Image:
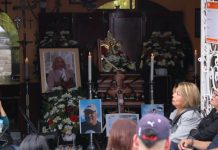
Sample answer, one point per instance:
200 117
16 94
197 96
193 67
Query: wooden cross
23 6
17 21
23 44
6 3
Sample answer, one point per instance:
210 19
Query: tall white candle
89 67
152 68
26 68
195 63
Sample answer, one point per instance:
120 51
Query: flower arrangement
168 52
113 57
57 39
62 111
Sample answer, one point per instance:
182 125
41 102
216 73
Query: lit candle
89 67
195 62
26 69
152 68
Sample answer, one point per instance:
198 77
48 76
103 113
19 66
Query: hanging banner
212 22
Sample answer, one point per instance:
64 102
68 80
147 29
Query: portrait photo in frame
59 67
90 112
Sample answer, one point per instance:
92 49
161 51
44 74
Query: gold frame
46 60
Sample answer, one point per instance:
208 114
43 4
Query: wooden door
128 27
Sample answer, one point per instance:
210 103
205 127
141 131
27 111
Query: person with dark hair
153 131
34 142
60 75
121 135
91 123
208 127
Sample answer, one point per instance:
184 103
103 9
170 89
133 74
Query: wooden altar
132 89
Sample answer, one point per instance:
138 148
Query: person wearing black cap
153 132
91 123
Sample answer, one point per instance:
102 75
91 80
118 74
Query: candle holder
91 146
90 89
27 103
151 92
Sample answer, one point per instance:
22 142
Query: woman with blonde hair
186 116
121 135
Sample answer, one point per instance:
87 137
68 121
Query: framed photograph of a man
59 67
90 116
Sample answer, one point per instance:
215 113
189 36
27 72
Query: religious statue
119 89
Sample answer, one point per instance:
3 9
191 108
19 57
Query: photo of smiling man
90 116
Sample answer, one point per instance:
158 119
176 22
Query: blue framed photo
90 113
148 108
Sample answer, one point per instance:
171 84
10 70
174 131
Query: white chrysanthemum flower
46 115
60 126
66 95
52 98
61 106
52 111
171 63
58 88
156 45
44 130
56 119
67 120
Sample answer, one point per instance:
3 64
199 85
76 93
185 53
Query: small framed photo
75 1
59 67
150 108
90 113
111 118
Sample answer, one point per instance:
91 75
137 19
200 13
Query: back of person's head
153 132
190 92
121 135
34 142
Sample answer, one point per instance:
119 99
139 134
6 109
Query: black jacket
87 127
208 127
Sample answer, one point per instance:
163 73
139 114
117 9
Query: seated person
196 144
186 99
208 127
